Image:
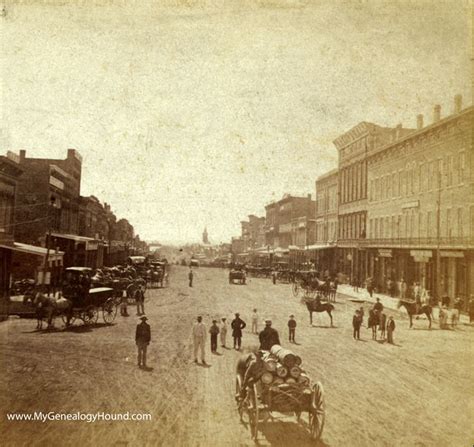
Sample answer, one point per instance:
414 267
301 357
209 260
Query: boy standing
223 332
292 328
356 324
254 322
214 331
390 330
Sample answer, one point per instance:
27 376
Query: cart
261 400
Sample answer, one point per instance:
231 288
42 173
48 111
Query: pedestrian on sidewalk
390 330
362 313
471 309
199 339
292 328
370 286
254 322
190 277
274 277
140 300
214 331
355 284
403 289
456 313
223 329
142 340
356 324
237 325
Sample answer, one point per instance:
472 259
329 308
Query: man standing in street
199 339
190 277
292 328
237 325
390 330
142 340
140 299
254 322
268 337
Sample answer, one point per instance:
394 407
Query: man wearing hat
237 325
142 340
268 337
292 328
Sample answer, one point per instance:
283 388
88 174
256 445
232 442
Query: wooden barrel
290 380
285 356
303 379
278 381
282 371
267 378
295 372
299 361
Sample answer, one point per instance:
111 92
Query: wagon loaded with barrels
284 387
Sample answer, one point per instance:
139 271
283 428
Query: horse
412 309
373 322
316 306
50 306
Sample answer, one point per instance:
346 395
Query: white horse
50 307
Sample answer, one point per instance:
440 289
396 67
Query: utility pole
48 241
438 236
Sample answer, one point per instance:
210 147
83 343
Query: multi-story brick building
326 220
10 172
421 208
290 220
354 147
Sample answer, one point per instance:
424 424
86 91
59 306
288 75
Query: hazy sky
193 113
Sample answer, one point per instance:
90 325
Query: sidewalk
386 300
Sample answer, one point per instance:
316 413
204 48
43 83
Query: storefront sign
385 252
421 259
451 254
421 253
92 245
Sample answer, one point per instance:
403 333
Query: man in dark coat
237 325
268 337
190 277
356 324
142 340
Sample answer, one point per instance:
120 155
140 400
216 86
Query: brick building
326 220
290 222
421 208
354 147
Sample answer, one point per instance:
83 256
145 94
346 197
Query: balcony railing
458 242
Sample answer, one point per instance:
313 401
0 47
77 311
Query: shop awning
91 243
35 250
319 247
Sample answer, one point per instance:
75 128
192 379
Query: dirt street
416 393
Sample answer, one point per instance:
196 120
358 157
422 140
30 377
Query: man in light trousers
199 339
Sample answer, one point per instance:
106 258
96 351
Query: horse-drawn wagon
307 282
284 387
237 276
85 302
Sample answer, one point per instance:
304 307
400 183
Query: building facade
421 208
353 149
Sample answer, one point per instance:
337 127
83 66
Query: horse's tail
331 307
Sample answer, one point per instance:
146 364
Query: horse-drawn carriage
237 276
156 275
282 388
85 302
307 282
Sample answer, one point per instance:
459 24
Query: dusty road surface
416 393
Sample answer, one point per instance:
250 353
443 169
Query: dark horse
412 309
317 306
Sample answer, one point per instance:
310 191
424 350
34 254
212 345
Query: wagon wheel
90 315
295 289
109 311
317 412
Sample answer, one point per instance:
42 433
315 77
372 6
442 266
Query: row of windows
327 200
6 212
420 177
353 182
326 232
352 226
416 224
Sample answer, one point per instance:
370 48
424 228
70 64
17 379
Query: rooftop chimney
419 121
22 154
436 113
457 104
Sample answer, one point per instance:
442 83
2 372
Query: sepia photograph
236 223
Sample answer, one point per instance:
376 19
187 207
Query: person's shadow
146 368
